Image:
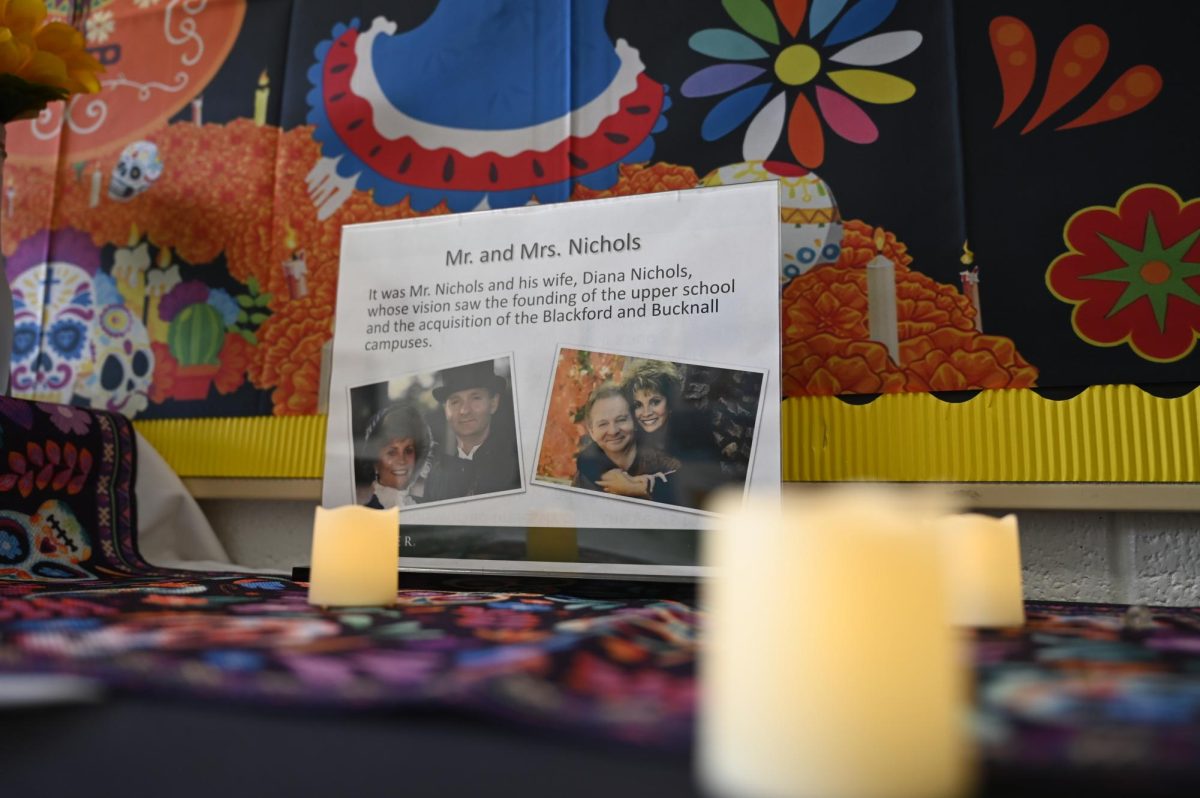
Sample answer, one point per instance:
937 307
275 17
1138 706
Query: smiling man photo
481 455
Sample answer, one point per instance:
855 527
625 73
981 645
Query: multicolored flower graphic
1133 273
795 67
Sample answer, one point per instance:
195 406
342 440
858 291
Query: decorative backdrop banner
975 195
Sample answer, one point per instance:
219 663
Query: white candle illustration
129 270
198 111
970 284
94 193
881 301
159 282
260 99
296 269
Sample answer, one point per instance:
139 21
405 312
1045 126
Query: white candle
355 557
983 568
881 305
829 667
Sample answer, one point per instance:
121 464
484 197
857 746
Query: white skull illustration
46 360
122 361
50 544
138 167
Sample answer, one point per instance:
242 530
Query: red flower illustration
54 465
1133 273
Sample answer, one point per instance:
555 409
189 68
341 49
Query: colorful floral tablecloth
621 668
1079 686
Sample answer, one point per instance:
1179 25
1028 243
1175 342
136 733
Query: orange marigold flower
826 315
858 246
643 179
919 316
826 365
955 360
235 357
165 368
912 285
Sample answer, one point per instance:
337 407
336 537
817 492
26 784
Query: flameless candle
355 557
829 667
983 567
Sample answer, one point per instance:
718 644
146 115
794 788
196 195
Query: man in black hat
483 456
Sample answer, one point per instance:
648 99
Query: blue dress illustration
488 103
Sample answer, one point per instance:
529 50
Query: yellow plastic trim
1109 433
252 446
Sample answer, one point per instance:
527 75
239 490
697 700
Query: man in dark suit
482 457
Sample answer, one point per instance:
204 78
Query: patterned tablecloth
1085 685
1079 687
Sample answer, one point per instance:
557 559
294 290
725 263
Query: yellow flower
14 53
22 16
80 69
40 61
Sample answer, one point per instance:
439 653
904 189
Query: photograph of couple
641 429
437 436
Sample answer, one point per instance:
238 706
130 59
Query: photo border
512 388
764 373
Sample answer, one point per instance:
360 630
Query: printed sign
605 365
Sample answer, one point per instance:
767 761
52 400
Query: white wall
1136 558
1147 558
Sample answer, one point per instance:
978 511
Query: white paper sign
609 363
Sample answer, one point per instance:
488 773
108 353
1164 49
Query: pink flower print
68 419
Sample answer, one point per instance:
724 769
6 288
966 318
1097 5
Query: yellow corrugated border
1108 433
253 446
